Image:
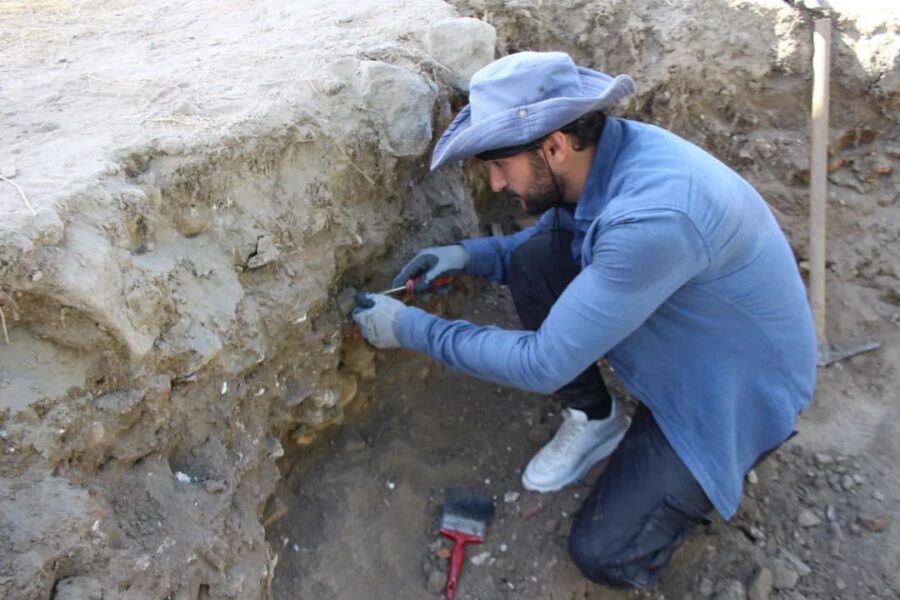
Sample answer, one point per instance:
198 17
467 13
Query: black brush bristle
468 505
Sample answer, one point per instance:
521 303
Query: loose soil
365 502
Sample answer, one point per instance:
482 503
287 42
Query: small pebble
808 518
436 582
752 477
510 497
873 519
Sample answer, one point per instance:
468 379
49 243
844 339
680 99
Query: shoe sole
590 459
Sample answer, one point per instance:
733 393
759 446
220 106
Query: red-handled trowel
465 519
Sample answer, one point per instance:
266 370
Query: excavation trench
186 410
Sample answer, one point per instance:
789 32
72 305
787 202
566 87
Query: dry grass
3 323
21 193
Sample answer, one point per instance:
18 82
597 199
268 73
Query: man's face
525 177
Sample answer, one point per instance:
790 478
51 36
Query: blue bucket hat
522 97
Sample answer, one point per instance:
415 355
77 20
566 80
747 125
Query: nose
498 181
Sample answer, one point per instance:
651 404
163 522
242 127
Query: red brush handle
417 286
457 556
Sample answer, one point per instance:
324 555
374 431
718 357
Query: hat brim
523 124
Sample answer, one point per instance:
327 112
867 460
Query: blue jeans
646 501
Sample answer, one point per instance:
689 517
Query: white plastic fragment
182 477
224 387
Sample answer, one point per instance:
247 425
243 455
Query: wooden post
818 174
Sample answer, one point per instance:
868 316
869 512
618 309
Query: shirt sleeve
636 265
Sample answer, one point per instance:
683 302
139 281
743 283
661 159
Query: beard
543 193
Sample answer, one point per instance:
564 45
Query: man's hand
377 315
432 263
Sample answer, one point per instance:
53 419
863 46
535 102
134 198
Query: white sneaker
578 445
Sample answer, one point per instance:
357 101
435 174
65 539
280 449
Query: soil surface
364 503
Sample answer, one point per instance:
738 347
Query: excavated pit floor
364 503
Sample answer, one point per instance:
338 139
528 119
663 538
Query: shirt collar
593 196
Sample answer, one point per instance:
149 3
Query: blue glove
434 262
377 316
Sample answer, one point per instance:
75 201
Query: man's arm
635 266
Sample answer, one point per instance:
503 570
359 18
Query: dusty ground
366 501
187 189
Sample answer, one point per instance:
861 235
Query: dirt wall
189 188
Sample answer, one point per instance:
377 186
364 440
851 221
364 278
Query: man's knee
599 567
634 555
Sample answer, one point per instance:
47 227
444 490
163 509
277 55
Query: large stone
401 103
784 577
730 590
761 586
462 46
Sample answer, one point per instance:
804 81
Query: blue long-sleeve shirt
687 286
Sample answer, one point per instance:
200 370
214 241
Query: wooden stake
818 173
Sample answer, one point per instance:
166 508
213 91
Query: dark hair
586 129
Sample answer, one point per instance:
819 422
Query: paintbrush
465 519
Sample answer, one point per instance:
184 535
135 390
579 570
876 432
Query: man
650 252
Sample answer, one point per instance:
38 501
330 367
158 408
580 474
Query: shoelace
567 433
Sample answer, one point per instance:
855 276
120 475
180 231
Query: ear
557 147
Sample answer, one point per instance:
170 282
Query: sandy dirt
190 190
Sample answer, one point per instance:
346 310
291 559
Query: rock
784 577
345 301
9 171
752 477
802 568
873 518
530 508
551 525
510 497
266 252
276 509
480 558
754 533
540 434
830 513
401 101
462 46
437 581
706 587
822 459
877 495
354 443
215 486
761 586
847 483
731 590
808 518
